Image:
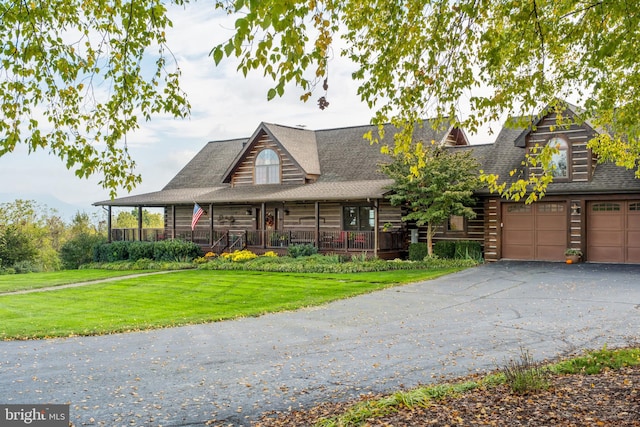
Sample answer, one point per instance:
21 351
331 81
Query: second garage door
613 233
534 232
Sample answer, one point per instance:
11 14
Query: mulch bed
611 398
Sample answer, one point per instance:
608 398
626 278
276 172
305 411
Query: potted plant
572 255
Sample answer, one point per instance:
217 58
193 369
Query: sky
224 104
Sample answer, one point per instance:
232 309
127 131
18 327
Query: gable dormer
574 162
455 137
276 155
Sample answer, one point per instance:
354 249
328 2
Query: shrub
79 250
329 264
435 262
468 249
445 249
111 252
141 264
417 251
175 250
334 258
524 375
361 257
140 250
26 266
15 245
240 256
296 251
165 250
100 252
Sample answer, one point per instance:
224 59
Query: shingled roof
346 165
504 155
347 168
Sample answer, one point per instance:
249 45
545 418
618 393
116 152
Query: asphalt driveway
233 371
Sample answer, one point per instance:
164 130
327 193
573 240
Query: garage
534 232
613 231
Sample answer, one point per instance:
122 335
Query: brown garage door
613 232
534 232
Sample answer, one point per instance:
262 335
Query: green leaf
217 55
228 48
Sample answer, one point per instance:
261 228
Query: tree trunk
429 239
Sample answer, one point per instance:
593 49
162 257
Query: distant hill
65 210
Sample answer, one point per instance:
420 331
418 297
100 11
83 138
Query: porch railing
229 240
131 234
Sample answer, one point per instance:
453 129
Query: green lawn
16 282
182 297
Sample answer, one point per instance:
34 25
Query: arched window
267 167
560 160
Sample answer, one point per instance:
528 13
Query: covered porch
368 226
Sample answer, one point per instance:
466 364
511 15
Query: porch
383 244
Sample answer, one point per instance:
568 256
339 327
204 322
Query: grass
525 375
17 282
180 298
592 362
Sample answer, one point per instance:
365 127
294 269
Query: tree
129 219
432 194
427 58
35 227
79 249
81 224
74 80
15 246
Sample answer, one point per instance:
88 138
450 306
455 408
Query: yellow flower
240 256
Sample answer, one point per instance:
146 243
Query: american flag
197 213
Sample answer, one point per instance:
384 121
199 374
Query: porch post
376 241
139 223
317 214
210 224
262 226
109 223
173 222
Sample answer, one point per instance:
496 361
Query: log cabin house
285 185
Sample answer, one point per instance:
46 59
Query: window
551 207
518 208
267 169
605 207
455 223
360 218
560 160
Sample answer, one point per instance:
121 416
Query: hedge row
330 264
448 249
458 249
166 250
